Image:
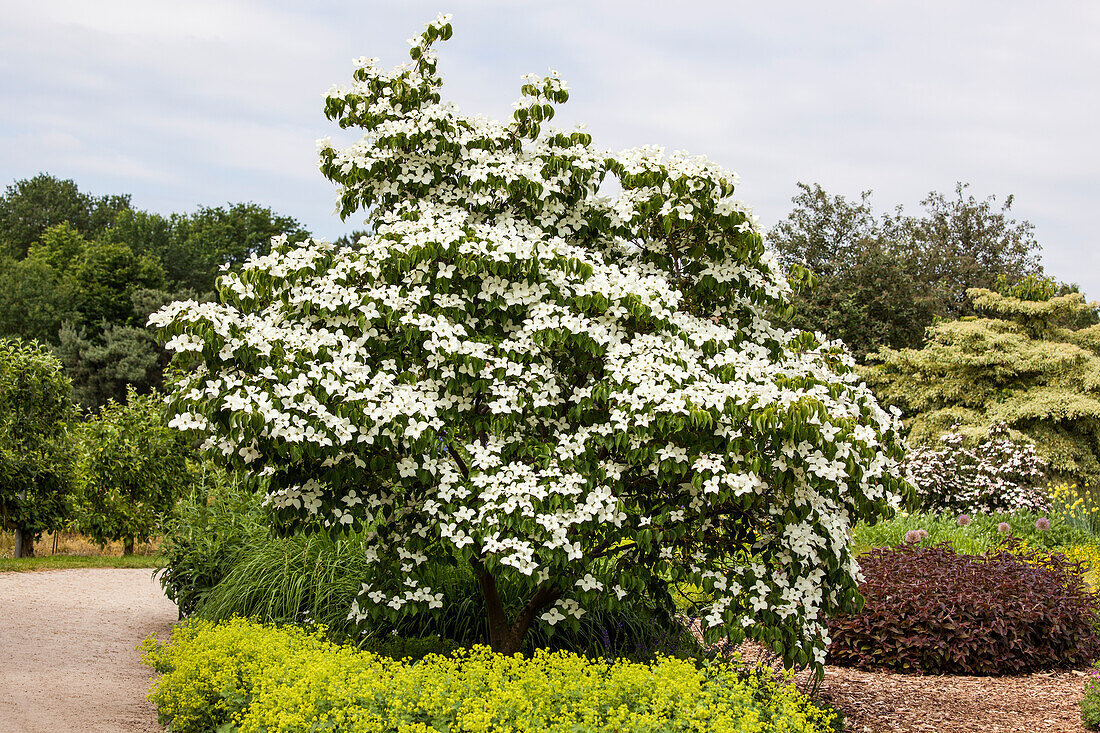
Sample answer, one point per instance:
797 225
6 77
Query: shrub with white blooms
577 394
996 472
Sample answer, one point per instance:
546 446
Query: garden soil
68 656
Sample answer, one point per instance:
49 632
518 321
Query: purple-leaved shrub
931 609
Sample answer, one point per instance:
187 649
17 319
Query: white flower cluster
572 392
997 473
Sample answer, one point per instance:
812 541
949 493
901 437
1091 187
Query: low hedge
251 677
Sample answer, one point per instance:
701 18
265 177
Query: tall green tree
31 206
35 460
961 243
132 469
34 300
1029 359
202 242
883 278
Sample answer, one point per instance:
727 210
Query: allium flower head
1003 528
922 534
1042 524
964 519
912 536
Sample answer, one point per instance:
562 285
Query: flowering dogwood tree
576 394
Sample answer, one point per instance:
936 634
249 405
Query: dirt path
68 660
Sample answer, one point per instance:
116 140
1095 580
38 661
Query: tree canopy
883 278
579 396
35 459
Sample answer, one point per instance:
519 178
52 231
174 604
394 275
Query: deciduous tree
581 397
35 460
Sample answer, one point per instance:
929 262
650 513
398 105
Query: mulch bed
891 702
888 702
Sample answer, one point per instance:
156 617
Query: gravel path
68 657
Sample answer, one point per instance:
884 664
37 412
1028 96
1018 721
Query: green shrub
932 609
249 677
1090 704
204 534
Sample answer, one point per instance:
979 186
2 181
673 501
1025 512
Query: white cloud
185 101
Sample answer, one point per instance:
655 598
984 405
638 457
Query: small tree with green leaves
133 467
35 463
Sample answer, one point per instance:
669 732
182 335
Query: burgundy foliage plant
930 609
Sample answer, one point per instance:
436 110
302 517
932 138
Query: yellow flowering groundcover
243 676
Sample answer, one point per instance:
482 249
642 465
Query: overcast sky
200 102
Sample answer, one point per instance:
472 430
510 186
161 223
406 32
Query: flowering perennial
578 394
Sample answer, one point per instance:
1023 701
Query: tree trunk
504 637
128 546
24 543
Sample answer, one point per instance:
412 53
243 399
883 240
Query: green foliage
1090 703
1033 365
104 366
205 533
934 610
202 242
104 278
132 469
979 536
31 206
259 678
882 279
316 577
965 243
35 460
34 300
865 294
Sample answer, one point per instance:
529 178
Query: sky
182 104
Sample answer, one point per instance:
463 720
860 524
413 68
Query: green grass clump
249 677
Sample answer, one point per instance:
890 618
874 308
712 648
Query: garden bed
881 702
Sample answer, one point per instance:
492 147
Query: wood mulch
891 702
887 702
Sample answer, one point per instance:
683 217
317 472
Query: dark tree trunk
24 543
128 546
507 637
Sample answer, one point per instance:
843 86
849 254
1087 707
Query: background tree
132 468
31 206
963 243
579 399
883 279
35 300
1031 359
35 461
202 242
